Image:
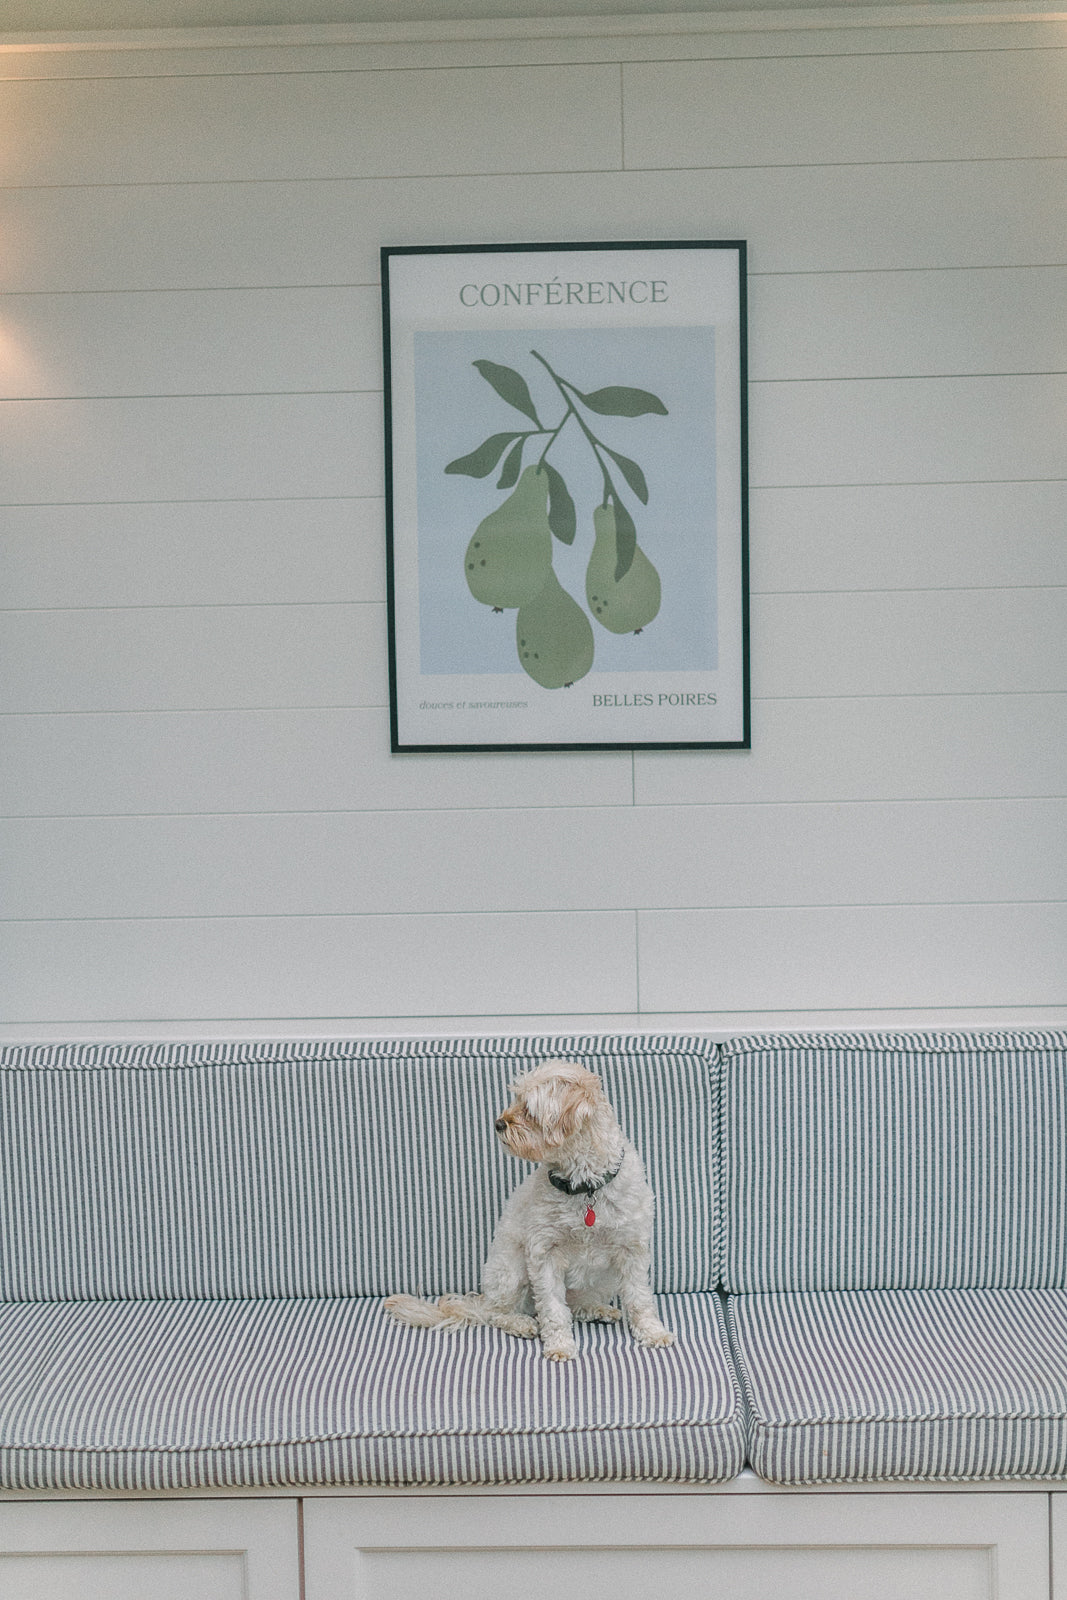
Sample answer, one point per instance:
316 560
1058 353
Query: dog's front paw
654 1338
565 1350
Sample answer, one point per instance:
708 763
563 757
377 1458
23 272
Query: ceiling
18 16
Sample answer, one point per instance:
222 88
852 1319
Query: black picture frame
530 556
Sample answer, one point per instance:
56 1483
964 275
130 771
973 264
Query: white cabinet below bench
825 1546
748 1544
149 1550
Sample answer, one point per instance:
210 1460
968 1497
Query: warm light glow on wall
22 373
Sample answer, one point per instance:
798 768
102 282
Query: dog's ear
574 1110
562 1102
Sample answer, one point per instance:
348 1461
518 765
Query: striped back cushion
896 1161
248 1171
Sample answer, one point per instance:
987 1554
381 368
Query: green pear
626 605
554 637
510 555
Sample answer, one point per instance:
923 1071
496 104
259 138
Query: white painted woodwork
125 1550
182 658
821 539
814 1547
1058 1546
303 760
222 127
556 964
838 218
909 747
206 820
321 340
909 536
517 859
168 448
262 656
493 40
960 106
202 341
831 958
884 431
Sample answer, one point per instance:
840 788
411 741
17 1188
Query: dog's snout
500 1125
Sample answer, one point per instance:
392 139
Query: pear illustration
554 637
626 605
510 555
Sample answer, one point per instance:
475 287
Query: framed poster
566 493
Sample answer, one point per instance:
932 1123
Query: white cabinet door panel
813 1547
149 1550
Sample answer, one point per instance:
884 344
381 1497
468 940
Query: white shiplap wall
205 832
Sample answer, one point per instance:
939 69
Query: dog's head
552 1103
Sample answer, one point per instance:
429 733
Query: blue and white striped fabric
326 1169
855 1386
171 1394
856 1161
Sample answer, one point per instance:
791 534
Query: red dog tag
590 1217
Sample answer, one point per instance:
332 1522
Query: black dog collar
592 1186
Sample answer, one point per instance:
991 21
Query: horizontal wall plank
983 641
287 446
311 125
908 536
214 447
522 860
652 44
797 219
961 107
948 747
268 657
927 430
851 958
305 760
987 535
225 552
907 324
220 657
205 341
317 967
246 341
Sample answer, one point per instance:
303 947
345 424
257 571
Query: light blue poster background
456 409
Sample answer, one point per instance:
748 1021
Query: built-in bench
860 1242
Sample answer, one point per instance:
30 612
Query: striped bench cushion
858 1161
175 1395
313 1169
853 1386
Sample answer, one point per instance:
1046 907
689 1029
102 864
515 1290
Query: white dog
574 1235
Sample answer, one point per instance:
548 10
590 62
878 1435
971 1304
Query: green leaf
510 386
480 462
562 517
632 473
512 465
625 538
617 402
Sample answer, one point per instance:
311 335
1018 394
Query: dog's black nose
500 1124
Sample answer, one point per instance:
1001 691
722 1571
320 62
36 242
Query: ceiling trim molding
943 13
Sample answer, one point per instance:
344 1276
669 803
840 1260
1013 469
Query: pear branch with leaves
508 562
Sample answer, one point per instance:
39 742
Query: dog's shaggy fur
545 1265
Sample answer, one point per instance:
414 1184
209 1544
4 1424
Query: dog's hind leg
506 1292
